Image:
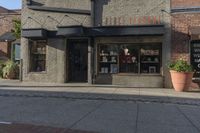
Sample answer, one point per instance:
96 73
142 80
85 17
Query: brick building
6 25
118 42
186 31
108 41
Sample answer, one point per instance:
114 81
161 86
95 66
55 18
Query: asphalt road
103 116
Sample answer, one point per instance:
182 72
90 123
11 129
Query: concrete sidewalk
95 92
160 95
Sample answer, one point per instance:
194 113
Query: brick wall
181 23
6 25
184 3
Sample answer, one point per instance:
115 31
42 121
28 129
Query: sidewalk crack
87 114
188 119
136 122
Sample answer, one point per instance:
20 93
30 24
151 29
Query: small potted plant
181 74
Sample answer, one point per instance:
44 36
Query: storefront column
89 62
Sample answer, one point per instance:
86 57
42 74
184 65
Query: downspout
92 13
92 42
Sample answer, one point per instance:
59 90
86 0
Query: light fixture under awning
127 30
34 33
111 30
71 31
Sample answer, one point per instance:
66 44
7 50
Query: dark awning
34 33
195 33
111 30
71 31
7 37
127 30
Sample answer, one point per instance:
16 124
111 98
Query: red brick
184 3
181 23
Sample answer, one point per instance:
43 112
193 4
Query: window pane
150 58
38 55
128 58
108 58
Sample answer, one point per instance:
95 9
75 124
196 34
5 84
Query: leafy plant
17 28
180 66
10 70
2 65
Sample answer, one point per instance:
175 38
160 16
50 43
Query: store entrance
78 60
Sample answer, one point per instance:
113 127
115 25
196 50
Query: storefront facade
116 42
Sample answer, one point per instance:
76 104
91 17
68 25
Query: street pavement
27 128
101 110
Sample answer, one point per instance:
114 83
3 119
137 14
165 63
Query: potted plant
1 68
10 70
181 74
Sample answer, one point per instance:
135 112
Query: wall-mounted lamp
162 10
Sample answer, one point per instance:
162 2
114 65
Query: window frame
35 41
139 45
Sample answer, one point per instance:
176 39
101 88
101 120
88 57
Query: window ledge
135 74
43 72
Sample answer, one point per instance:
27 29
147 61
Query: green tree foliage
17 28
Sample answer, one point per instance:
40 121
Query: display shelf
109 55
108 62
36 53
149 55
146 62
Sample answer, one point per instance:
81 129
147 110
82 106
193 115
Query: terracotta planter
181 80
10 75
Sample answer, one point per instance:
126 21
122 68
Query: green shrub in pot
180 66
181 75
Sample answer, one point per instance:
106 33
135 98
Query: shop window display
150 59
130 58
37 55
109 59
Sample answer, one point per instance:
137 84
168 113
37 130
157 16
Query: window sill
131 74
43 72
136 74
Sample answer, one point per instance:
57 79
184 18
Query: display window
129 58
37 55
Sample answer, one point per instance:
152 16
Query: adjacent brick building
185 20
6 25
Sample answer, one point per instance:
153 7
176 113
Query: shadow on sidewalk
100 96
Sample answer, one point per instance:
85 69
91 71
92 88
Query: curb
106 97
